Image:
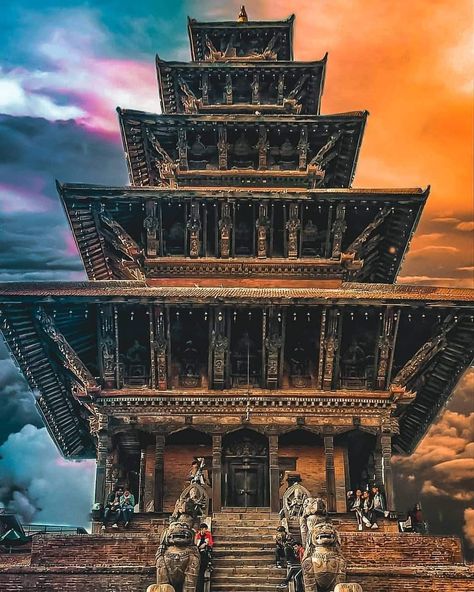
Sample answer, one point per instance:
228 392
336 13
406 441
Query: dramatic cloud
16 400
469 525
39 485
36 242
73 82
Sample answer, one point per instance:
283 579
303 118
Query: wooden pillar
100 473
378 465
216 472
330 472
386 448
274 473
141 482
159 471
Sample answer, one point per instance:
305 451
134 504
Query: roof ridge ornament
242 18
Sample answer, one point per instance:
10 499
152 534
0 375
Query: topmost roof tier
241 40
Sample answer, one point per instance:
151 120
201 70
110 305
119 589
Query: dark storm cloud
35 238
16 400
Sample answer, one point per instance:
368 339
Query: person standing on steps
204 543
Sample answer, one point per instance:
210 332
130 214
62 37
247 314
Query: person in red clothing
204 542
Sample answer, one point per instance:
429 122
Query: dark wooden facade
241 298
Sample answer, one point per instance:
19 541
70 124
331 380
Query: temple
242 307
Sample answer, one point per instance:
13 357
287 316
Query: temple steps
243 555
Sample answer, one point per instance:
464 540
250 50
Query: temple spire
242 18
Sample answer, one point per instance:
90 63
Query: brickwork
311 465
177 462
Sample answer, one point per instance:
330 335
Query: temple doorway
246 472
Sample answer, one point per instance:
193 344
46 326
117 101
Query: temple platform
123 560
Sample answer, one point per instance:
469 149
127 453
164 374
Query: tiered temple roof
240 205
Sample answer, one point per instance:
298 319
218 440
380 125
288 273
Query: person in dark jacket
112 510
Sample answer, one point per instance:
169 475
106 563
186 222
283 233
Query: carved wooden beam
118 238
225 230
281 88
159 349
216 472
222 147
262 224
386 345
182 146
255 85
425 354
219 351
273 344
107 345
303 147
338 229
357 244
205 87
262 146
293 226
69 359
193 226
228 95
331 347
151 224
165 164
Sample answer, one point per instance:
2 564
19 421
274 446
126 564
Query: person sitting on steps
113 511
284 544
127 505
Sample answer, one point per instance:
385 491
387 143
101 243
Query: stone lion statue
323 563
314 510
177 560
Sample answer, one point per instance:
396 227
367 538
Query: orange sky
410 64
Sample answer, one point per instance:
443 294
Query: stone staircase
243 556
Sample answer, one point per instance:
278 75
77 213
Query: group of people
367 506
289 553
119 507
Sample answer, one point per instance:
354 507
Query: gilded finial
242 18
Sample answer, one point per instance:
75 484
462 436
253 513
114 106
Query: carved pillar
100 472
331 348
262 146
338 228
386 345
274 472
218 351
159 471
151 225
182 149
293 226
255 89
107 346
378 464
194 230
263 224
141 482
303 146
222 147
159 349
225 231
280 88
273 341
205 88
330 471
228 97
216 472
386 449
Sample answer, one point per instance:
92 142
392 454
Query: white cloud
39 485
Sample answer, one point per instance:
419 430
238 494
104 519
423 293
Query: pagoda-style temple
241 303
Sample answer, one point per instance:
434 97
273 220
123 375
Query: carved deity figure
293 501
177 560
192 506
314 510
323 564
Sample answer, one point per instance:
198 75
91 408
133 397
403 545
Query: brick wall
311 465
88 550
177 463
